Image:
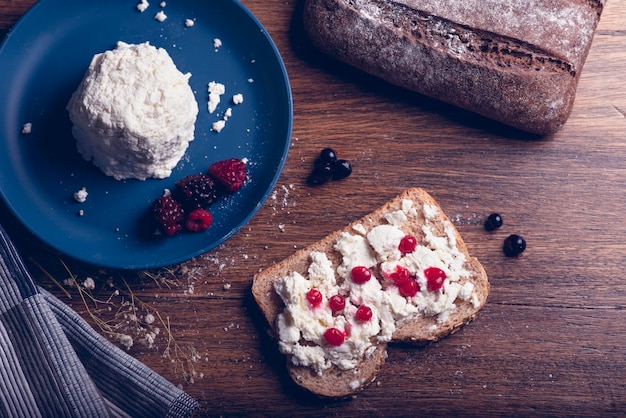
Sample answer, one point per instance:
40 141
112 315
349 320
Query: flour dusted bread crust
427 223
515 61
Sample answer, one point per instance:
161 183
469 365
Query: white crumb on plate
160 16
217 42
81 195
162 4
189 23
142 5
219 125
215 91
238 99
27 128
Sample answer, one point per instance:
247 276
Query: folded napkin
53 364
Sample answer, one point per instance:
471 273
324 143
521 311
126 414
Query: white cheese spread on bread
371 308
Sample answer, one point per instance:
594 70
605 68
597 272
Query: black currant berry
341 169
514 245
493 222
320 175
327 156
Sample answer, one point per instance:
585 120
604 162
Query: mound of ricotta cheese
134 112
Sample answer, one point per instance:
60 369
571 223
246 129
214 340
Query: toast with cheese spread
401 273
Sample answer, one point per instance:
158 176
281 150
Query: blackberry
168 215
196 191
514 245
493 222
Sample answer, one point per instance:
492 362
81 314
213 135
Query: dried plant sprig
125 307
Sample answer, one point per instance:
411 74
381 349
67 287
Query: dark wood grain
550 340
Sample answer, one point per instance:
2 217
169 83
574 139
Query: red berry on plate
434 278
334 337
168 215
230 173
196 191
198 220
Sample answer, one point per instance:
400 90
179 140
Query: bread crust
515 61
335 383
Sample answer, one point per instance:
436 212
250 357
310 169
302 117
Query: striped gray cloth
53 364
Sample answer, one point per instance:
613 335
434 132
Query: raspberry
168 214
198 220
196 191
230 173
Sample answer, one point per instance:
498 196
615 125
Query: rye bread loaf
515 61
419 329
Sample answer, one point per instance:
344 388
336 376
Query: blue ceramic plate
42 61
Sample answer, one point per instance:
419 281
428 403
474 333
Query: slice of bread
414 213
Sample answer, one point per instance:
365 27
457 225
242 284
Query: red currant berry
400 276
334 337
409 288
364 313
337 303
434 278
361 274
407 244
314 297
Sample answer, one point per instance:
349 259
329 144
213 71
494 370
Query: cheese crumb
238 99
215 91
217 42
142 6
81 195
160 16
27 128
163 4
189 23
219 125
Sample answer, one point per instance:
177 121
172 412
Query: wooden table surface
551 339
